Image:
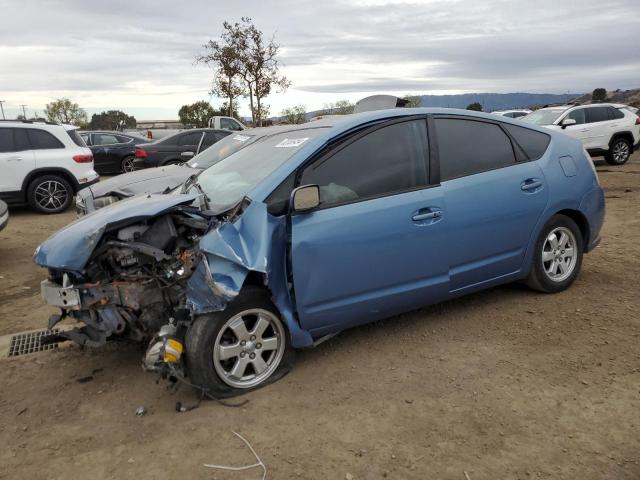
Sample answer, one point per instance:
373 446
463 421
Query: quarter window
533 143
41 140
388 160
104 139
596 114
615 114
468 147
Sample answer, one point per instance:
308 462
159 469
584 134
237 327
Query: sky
139 56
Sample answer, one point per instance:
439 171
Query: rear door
48 150
16 159
105 152
494 196
376 245
599 124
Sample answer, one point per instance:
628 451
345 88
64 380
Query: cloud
141 54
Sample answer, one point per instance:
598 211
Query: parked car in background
604 129
512 113
43 164
329 225
161 179
113 152
177 148
4 214
226 123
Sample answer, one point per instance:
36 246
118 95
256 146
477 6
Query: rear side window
533 143
41 140
13 140
468 147
104 139
122 139
189 139
389 160
597 114
77 139
615 114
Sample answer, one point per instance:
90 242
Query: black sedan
113 152
177 148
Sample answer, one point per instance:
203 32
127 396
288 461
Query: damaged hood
71 247
149 180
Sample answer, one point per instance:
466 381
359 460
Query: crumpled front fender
255 242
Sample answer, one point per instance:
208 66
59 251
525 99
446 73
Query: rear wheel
557 257
619 152
239 349
50 194
127 164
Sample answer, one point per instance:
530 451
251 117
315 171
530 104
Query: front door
376 246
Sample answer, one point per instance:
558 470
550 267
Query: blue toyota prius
307 230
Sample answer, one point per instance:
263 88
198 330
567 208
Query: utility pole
24 112
1 108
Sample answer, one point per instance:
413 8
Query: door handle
17 159
531 184
426 214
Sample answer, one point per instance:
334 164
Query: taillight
149 134
140 153
637 119
83 158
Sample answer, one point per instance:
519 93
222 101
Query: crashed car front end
146 276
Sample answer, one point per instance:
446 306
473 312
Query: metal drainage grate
26 343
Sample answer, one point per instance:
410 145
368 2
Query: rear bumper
593 207
87 181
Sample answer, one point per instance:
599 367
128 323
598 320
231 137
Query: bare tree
261 70
225 57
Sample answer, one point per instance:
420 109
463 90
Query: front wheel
240 348
619 152
557 257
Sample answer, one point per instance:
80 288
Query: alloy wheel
51 195
559 254
620 152
128 165
249 348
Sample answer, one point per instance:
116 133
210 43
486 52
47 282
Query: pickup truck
225 123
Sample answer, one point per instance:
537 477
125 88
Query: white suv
605 129
43 164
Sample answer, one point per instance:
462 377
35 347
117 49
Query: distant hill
629 97
496 101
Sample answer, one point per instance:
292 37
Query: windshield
221 149
229 180
543 117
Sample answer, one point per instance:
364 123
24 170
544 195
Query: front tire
557 257
50 194
619 152
240 348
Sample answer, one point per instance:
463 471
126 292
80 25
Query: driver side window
577 115
391 159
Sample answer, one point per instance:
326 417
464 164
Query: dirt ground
504 384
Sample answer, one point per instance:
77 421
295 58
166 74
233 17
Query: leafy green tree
599 95
197 114
294 115
341 107
63 110
475 106
413 101
111 120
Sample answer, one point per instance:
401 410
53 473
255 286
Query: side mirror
568 122
186 156
305 198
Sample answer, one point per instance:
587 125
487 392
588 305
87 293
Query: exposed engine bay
134 284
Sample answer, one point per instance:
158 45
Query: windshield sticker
241 138
291 142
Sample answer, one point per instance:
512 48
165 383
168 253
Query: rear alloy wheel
619 152
127 164
241 348
557 256
50 194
